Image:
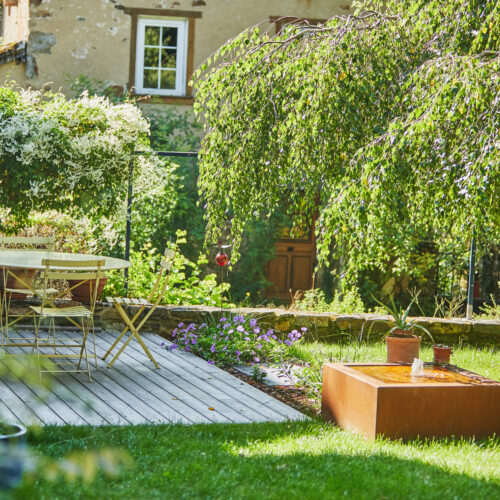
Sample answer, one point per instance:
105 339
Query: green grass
269 461
482 360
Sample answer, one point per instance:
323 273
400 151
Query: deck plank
198 388
184 390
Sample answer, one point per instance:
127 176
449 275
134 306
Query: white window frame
181 68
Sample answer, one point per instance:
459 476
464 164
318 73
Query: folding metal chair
23 243
80 271
158 290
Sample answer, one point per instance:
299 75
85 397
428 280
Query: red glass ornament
222 259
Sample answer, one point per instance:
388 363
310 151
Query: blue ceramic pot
12 454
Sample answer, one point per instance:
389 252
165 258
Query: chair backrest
165 268
78 271
27 242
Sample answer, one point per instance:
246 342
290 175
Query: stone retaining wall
322 326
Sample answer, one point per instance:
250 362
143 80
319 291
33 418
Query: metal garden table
32 259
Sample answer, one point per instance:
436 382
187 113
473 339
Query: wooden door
292 267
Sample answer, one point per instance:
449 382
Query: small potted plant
442 354
403 346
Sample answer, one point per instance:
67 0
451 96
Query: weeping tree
386 122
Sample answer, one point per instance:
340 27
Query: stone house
151 47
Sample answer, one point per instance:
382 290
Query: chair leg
125 330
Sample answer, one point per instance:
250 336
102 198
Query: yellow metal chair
158 291
81 271
21 277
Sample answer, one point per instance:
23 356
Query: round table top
32 259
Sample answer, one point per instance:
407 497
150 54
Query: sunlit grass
482 360
308 460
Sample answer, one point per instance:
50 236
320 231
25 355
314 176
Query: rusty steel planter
464 404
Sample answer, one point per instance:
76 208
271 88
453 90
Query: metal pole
472 265
129 219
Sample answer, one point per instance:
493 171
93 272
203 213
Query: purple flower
174 333
237 352
224 348
288 342
259 346
187 348
304 329
193 341
162 344
230 331
240 328
256 330
256 359
203 325
181 325
247 339
210 362
253 322
212 348
171 347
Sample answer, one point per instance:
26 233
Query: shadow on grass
268 461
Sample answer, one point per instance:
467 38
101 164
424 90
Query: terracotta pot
442 354
81 293
402 349
26 275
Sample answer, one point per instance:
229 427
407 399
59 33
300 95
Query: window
162 53
161 57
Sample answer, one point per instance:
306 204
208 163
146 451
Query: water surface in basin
433 374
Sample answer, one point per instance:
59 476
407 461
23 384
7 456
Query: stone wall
322 326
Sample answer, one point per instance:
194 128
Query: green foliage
65 154
166 197
348 302
233 340
386 122
186 284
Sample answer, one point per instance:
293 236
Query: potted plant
442 353
402 345
12 454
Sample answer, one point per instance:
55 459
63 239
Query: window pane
167 80
151 57
169 37
168 58
152 35
151 78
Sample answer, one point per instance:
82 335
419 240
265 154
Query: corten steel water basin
384 399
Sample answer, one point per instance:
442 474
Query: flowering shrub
57 153
233 340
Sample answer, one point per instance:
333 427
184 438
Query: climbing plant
386 121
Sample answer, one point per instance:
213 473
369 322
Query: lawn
305 460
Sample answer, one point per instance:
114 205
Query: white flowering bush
57 153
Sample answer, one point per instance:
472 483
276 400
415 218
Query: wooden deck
184 390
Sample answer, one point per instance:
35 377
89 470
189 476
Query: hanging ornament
222 259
